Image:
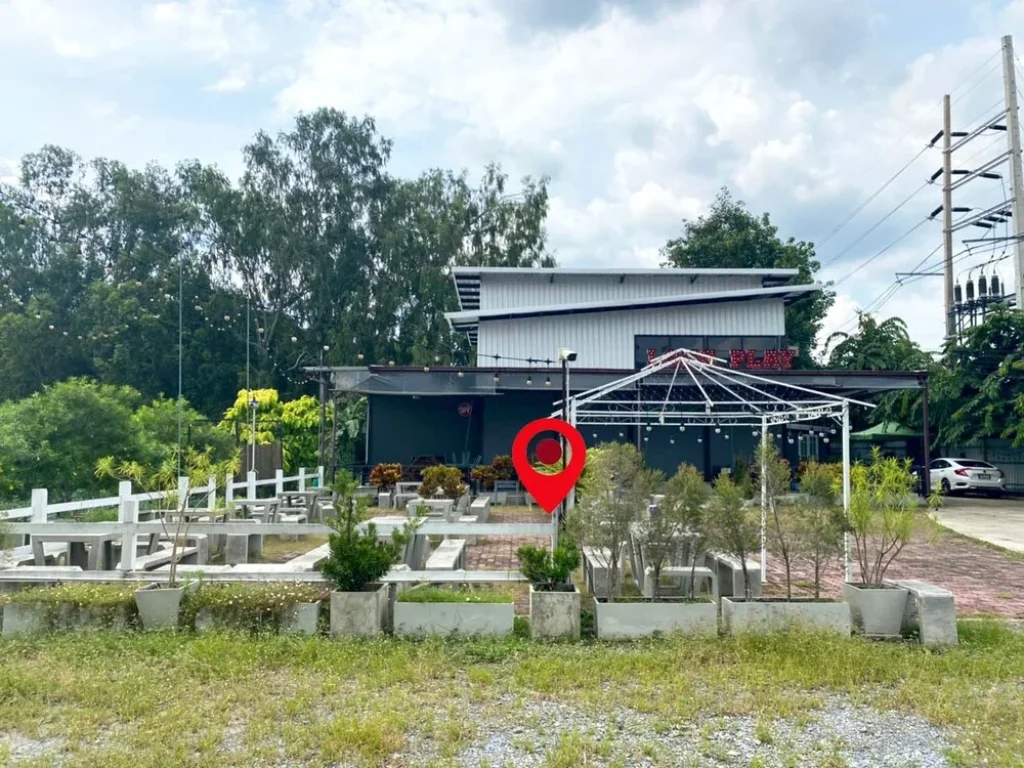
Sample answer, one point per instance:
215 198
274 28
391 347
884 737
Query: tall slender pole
846 489
1016 173
947 215
181 336
764 499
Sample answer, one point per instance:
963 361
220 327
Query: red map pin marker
549 490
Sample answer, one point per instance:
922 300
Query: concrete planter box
360 614
119 619
159 606
555 614
878 611
643 618
301 619
418 619
776 614
36 618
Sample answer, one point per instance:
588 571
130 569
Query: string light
529 380
547 381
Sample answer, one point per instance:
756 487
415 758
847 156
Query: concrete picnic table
77 542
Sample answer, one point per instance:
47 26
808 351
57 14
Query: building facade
615 321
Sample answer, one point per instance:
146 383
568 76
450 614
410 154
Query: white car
953 475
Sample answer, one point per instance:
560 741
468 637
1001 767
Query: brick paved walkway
983 580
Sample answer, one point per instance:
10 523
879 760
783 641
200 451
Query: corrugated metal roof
468 320
468 279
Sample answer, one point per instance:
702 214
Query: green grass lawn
162 699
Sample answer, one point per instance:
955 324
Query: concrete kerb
930 610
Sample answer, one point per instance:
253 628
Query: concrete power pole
947 214
1016 174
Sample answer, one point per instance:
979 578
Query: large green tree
730 236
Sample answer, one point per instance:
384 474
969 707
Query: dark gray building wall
504 415
402 428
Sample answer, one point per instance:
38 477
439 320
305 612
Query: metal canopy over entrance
683 388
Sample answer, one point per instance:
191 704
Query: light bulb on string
649 427
672 441
460 374
547 381
529 380
682 428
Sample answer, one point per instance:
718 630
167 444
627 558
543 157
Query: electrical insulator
982 286
958 294
994 289
970 289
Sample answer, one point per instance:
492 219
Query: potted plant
882 500
618 486
662 536
159 604
554 599
276 606
357 561
429 610
484 477
810 531
385 477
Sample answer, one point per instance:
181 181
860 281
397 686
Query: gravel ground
838 734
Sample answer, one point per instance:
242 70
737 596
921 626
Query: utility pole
947 213
1016 175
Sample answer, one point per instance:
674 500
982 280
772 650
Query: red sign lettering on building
771 359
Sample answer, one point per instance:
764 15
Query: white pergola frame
728 397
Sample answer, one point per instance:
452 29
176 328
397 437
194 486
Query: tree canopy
730 236
318 248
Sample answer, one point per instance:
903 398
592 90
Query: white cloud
235 80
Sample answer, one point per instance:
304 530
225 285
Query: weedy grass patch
234 699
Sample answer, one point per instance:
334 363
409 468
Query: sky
639 111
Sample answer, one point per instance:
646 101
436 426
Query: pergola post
764 499
846 489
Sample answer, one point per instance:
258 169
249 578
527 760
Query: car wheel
944 486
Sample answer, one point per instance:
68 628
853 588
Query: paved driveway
997 521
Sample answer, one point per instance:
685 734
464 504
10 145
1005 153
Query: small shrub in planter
882 501
66 606
427 610
554 600
810 532
386 476
357 561
260 607
503 467
442 480
159 604
484 476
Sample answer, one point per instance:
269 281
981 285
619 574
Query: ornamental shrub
256 607
548 571
503 467
385 476
484 475
447 479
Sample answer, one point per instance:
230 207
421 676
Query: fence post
278 482
302 479
320 476
40 498
250 483
229 490
183 493
211 494
129 540
124 492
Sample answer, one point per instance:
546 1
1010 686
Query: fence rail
40 509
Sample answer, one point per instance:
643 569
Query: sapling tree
775 476
733 527
357 557
679 514
820 521
882 503
176 485
618 487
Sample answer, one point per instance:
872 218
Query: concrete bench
11 558
402 499
450 555
930 610
480 508
293 518
163 557
681 575
468 519
596 570
730 575
311 559
384 500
